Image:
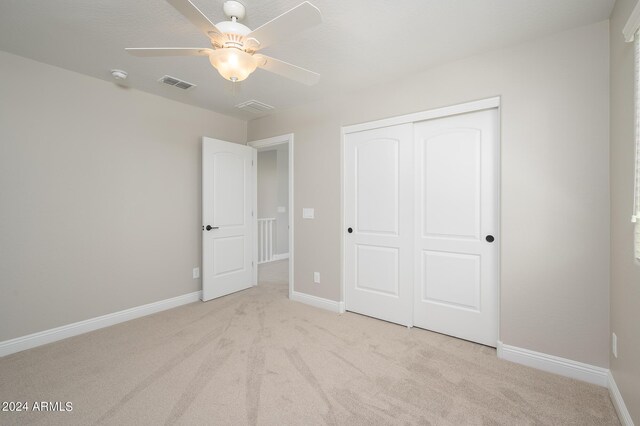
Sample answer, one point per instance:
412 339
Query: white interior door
228 202
378 215
457 226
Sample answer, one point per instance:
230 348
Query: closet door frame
473 106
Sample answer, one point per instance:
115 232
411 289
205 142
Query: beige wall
282 218
267 184
99 195
273 191
555 181
625 272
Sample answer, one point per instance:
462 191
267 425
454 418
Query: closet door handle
209 227
350 230
489 238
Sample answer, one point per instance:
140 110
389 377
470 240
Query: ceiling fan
234 45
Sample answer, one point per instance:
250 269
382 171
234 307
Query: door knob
350 230
209 227
489 238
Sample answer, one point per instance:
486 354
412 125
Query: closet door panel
378 270
457 241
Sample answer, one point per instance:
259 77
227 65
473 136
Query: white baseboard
554 364
43 337
318 302
281 256
618 402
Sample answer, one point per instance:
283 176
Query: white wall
625 272
100 206
555 181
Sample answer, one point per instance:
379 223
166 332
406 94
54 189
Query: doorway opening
274 228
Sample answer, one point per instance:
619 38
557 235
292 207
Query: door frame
446 111
268 143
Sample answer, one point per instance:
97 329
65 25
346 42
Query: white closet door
378 218
457 227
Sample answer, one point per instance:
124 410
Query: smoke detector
119 74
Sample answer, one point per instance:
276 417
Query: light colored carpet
255 357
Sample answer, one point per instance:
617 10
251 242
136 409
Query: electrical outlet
316 277
614 344
196 273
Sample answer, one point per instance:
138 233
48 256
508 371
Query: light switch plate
316 277
196 273
282 209
308 213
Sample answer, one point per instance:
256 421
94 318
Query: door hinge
251 213
251 163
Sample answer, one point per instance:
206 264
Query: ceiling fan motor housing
234 33
230 27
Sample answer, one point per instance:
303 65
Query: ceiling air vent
176 82
254 107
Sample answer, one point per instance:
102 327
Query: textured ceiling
360 42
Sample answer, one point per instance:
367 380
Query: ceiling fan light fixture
233 64
234 44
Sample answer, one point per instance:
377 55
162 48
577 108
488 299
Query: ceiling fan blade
169 51
301 17
287 70
197 18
